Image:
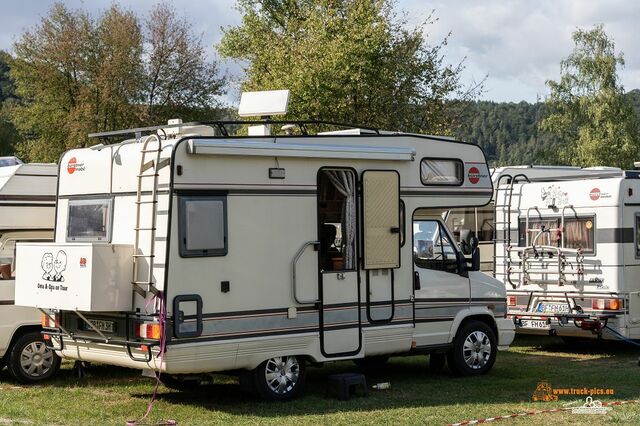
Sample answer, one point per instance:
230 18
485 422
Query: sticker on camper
474 175
73 166
54 267
594 194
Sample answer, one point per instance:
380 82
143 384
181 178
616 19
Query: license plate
553 308
534 324
102 325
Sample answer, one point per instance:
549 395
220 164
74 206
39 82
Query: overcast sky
518 44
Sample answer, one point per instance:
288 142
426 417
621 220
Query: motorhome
571 256
481 220
188 251
27 205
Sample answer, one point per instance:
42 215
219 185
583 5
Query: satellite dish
263 104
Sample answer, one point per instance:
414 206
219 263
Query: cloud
520 44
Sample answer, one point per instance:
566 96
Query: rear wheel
31 360
280 378
474 350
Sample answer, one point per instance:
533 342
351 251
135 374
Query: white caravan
189 251
481 220
27 206
571 256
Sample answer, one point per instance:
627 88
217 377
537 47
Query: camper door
340 332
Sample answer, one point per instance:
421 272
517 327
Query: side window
89 220
337 219
432 246
203 226
440 171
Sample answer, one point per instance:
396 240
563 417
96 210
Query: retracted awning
245 147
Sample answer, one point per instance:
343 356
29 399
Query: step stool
345 384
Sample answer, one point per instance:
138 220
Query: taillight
606 304
148 331
49 321
512 300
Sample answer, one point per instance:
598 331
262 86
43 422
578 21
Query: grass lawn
113 395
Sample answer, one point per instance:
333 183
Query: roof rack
221 127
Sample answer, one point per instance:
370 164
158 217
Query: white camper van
189 251
572 256
481 220
27 205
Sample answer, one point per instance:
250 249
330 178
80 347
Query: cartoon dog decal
47 266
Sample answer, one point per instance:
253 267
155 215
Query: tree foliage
587 111
352 61
75 74
9 136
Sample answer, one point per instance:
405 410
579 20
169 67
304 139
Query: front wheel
31 360
474 350
280 378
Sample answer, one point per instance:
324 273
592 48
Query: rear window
578 232
89 220
438 171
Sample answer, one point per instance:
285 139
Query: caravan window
337 219
637 235
578 233
89 220
203 226
439 171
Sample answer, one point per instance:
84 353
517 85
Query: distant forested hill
508 131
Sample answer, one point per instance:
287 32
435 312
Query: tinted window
203 226
89 220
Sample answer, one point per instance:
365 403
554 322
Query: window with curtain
337 219
579 232
439 171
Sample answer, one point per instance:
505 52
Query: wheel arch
464 317
18 333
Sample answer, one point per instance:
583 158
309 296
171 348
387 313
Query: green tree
587 110
75 74
9 136
354 61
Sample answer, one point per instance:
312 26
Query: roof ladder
141 284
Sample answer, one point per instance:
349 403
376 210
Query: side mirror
468 241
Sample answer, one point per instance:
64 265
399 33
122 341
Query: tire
371 363
183 383
474 350
280 378
31 361
436 362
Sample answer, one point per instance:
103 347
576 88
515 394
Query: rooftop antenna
264 104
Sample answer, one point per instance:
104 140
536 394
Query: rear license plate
102 325
553 308
534 324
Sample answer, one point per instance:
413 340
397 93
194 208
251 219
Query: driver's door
443 287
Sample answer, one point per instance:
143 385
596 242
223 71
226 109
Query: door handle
416 281
395 230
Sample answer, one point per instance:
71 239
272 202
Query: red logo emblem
83 262
474 175
71 166
594 194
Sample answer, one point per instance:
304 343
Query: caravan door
340 332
